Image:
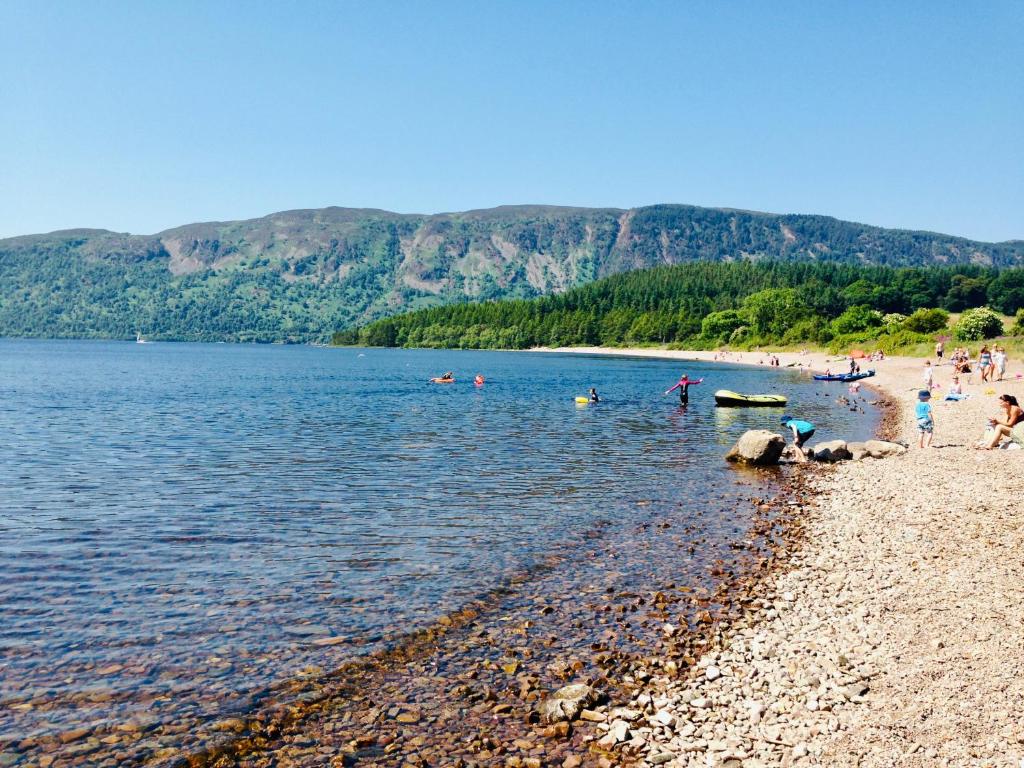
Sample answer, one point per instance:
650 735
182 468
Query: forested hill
299 275
705 305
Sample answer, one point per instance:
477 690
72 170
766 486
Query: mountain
299 275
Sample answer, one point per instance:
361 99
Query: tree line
705 304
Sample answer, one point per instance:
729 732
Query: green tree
773 311
1006 291
965 292
719 326
857 319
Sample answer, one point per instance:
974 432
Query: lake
185 526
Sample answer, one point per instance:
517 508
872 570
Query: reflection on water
184 525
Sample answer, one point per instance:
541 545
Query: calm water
183 522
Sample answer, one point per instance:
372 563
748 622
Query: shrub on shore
977 324
927 321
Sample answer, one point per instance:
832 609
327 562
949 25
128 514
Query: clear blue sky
138 116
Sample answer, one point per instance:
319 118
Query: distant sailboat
139 339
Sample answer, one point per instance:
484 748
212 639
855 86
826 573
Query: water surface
183 525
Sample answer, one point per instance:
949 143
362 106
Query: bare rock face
758 446
567 703
832 451
880 449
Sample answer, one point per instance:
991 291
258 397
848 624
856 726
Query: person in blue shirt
802 432
925 418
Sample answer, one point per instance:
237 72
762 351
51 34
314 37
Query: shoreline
783 530
825 582
892 633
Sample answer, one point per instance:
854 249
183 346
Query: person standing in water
683 385
593 396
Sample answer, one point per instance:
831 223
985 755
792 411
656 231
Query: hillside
299 275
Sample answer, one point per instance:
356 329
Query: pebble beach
890 635
872 616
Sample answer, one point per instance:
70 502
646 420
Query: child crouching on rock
925 418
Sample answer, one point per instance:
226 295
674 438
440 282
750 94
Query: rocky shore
873 617
892 635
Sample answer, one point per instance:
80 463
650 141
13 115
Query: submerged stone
567 703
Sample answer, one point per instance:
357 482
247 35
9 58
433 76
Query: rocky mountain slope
298 275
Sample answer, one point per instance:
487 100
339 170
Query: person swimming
478 380
683 385
445 378
593 396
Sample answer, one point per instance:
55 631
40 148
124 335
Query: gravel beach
894 635
873 617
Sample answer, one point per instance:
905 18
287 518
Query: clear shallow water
181 525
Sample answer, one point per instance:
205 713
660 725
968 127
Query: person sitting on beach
683 385
962 364
802 432
925 418
1009 424
956 390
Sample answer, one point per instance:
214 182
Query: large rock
832 451
880 449
758 446
567 703
857 451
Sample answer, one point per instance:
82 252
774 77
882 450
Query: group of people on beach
991 363
1007 425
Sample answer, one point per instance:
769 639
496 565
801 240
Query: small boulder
832 451
789 455
567 703
758 446
881 449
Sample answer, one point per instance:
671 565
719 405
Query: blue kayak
844 376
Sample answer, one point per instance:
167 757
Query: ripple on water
182 523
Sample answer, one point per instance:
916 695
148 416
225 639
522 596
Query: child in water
683 385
